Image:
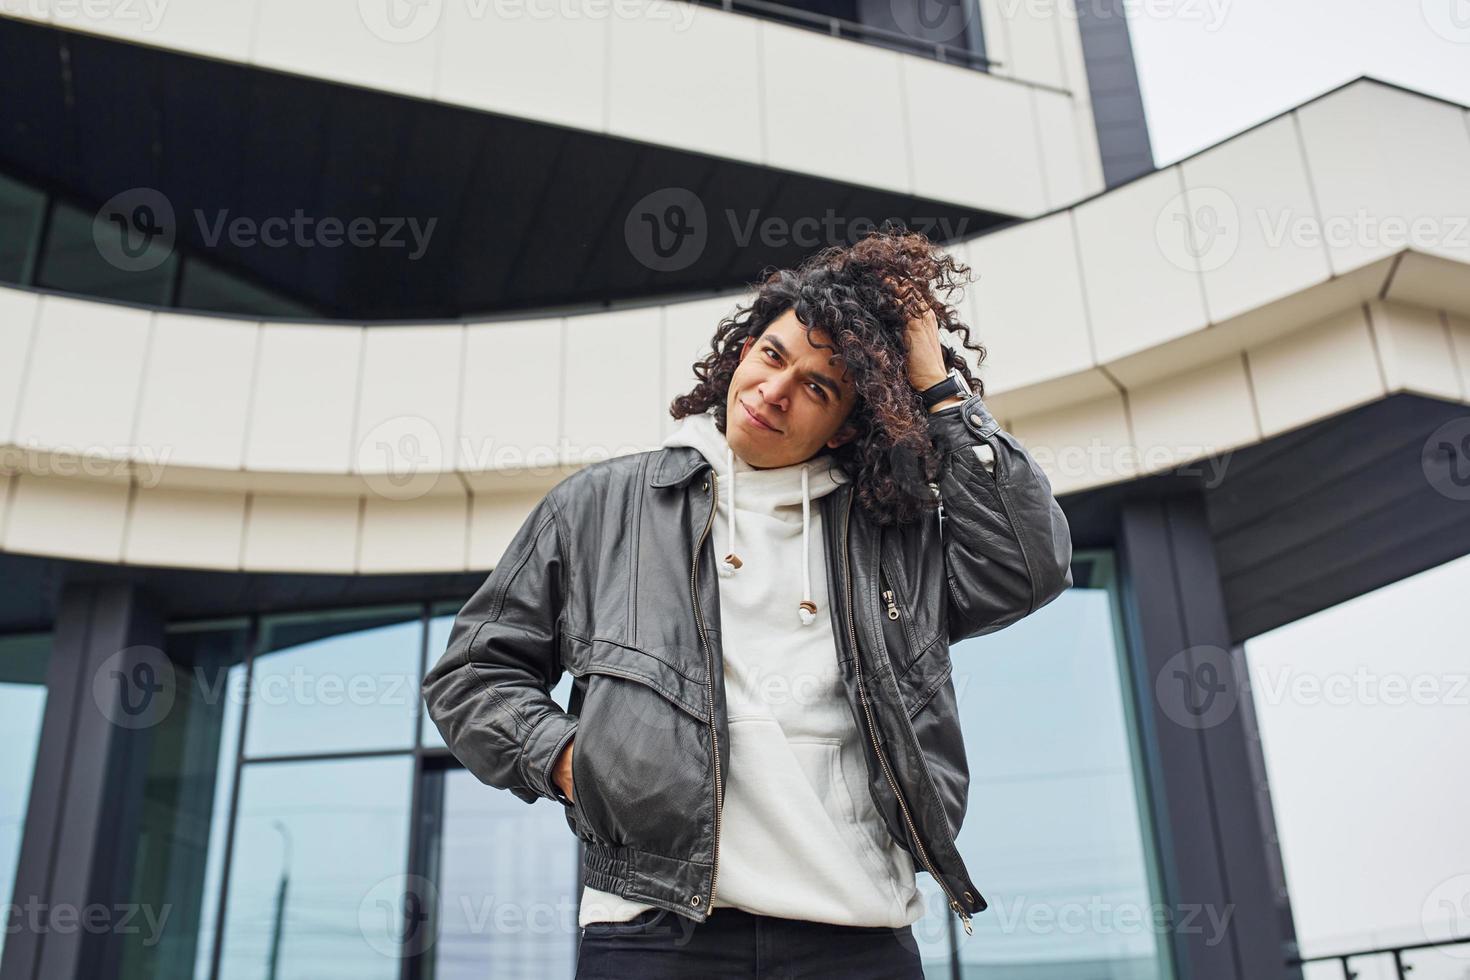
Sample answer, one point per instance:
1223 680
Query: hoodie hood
784 492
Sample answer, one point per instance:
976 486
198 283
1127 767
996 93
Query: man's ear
842 436
745 346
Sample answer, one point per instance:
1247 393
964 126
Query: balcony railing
1397 952
838 27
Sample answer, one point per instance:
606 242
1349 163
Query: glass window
23 661
21 211
1055 831
73 262
202 286
505 875
186 804
335 682
316 880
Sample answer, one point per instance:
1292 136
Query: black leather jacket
611 578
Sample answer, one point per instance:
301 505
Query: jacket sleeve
1007 547
490 692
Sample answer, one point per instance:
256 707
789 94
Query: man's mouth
756 420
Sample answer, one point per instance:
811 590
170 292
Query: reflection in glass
317 876
1055 829
21 210
506 879
186 805
22 703
72 261
335 682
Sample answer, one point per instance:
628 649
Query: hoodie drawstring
807 609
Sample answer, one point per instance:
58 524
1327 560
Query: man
758 762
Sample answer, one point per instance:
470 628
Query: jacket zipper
857 661
709 665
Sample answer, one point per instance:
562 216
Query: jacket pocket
640 769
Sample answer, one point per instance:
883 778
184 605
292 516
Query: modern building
304 305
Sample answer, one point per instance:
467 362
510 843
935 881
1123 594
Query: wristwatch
955 384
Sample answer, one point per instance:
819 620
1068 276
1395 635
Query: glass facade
302 817
51 243
23 661
1056 831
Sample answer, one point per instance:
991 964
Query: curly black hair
848 292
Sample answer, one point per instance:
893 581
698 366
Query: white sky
1372 799
1211 68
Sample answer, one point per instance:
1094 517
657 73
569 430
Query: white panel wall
17 323
1251 210
80 392
863 140
959 153
1290 375
504 60
1031 313
681 75
304 373
407 420
513 394
335 41
611 383
218 28
196 391
1138 265
1384 162
684 75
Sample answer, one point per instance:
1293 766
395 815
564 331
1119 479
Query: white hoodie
800 837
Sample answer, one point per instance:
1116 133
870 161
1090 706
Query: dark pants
733 943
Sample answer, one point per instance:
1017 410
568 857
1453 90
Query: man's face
803 394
